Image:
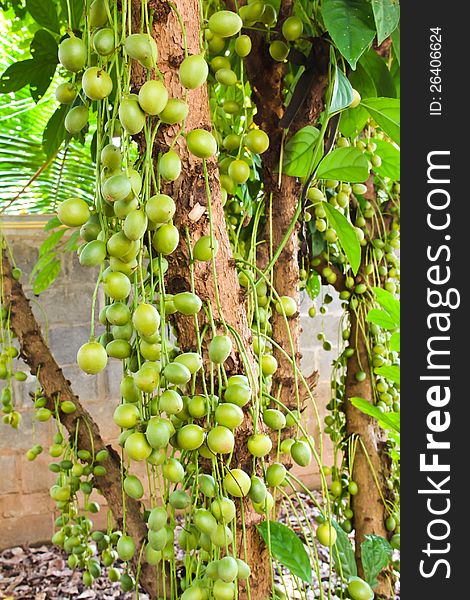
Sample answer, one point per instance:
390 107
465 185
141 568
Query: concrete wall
26 511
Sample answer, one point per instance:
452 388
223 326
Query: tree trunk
37 355
192 219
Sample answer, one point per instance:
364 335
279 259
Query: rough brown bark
189 192
37 355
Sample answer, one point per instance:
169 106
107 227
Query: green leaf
388 301
378 71
76 9
345 164
353 121
380 318
51 242
362 81
395 341
386 16
46 277
72 243
351 26
396 43
390 156
346 236
343 553
386 420
298 153
41 263
44 12
342 93
287 548
16 76
391 372
313 286
52 223
386 113
44 47
376 553
55 132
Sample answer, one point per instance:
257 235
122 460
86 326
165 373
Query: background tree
221 191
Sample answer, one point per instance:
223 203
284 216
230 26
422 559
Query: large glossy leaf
346 236
386 16
388 301
287 548
46 277
386 420
342 93
391 372
343 553
44 12
381 318
351 26
16 76
353 120
298 153
386 113
344 164
378 71
54 132
390 156
376 553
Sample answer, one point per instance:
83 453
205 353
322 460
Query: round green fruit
165 239
201 143
76 119
292 28
96 83
193 71
73 212
66 93
153 97
72 54
326 534
136 447
92 358
225 23
170 166
203 249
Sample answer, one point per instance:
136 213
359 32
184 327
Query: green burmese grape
190 437
158 433
292 28
360 590
171 402
203 249
176 373
125 547
239 171
227 569
220 440
278 50
148 377
254 11
136 446
166 239
120 349
220 348
73 212
268 365
119 246
91 229
153 557
187 303
301 453
96 83
222 536
256 141
193 71
223 509
216 44
269 17
219 62
92 358
239 394
226 77
223 590
118 313
117 187
207 485
72 54
127 582
98 13
142 47
135 224
173 470
258 489
160 208
133 487
286 445
192 593
259 444
157 519
231 142
229 415
157 539
225 23
201 143
274 419
356 99
287 305
243 45
122 332
191 360
103 42
153 97
198 407
126 416
336 488
326 534
174 112
131 116
117 285
275 474
170 165
66 93
205 521
146 319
